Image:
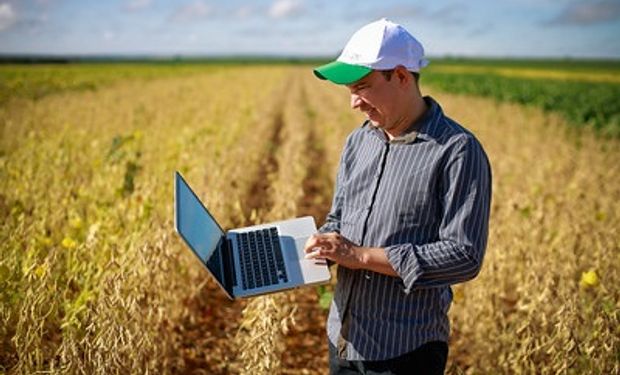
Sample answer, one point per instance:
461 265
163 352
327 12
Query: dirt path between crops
259 196
306 345
208 337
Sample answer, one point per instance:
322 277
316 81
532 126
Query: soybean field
94 279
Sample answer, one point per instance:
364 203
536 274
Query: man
409 215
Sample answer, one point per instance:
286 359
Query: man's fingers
311 243
316 252
319 240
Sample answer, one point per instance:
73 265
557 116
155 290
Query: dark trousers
428 359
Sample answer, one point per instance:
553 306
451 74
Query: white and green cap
380 45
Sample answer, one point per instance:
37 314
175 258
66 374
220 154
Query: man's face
377 98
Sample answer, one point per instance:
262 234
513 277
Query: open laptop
247 261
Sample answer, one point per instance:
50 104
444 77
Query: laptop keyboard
261 258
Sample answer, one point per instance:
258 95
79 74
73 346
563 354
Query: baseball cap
380 45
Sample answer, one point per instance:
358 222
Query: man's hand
336 248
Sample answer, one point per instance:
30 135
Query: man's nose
356 101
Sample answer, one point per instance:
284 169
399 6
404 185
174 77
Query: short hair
388 75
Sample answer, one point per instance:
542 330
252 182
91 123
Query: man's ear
402 75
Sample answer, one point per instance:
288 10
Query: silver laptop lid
200 231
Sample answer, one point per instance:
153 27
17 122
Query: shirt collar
424 128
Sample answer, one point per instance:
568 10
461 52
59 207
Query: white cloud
7 16
192 11
137 4
285 8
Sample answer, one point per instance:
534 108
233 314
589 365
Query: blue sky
499 28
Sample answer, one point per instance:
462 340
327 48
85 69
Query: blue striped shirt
425 198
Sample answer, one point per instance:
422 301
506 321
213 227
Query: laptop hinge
229 265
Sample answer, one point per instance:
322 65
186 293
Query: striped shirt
424 197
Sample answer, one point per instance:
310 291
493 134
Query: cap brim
341 73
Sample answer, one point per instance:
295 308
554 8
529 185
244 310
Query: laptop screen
198 228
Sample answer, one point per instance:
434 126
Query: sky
486 28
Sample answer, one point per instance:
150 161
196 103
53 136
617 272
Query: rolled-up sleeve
465 197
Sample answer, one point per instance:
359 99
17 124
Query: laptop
248 261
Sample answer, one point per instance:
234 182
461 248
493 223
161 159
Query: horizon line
261 56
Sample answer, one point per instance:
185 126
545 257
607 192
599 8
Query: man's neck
416 111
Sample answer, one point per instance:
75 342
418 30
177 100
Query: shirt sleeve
465 195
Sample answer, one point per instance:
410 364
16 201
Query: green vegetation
583 103
585 92
611 66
